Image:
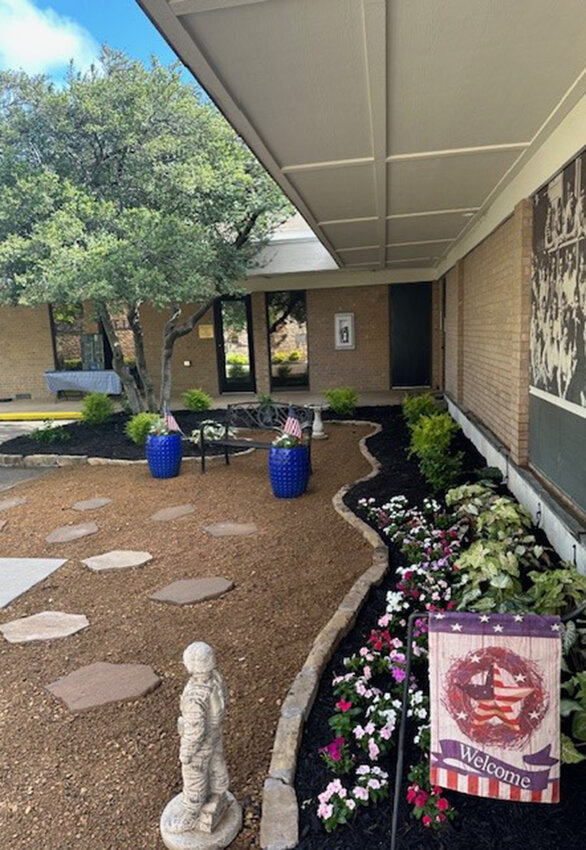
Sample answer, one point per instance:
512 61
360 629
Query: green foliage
431 438
96 408
569 753
125 188
159 428
283 371
278 357
73 364
49 434
240 359
196 399
416 406
139 427
489 575
265 399
469 498
294 356
211 430
557 591
342 400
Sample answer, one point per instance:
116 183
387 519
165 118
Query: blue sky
40 36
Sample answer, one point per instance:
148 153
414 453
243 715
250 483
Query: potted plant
288 466
163 450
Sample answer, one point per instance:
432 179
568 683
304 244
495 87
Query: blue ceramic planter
164 454
289 471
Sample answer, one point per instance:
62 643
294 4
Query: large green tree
125 188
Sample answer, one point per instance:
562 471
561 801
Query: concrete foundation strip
279 828
48 460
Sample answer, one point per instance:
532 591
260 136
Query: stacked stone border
52 461
279 828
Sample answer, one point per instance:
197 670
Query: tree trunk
133 394
171 333
148 393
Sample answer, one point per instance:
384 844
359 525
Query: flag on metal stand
292 426
170 420
494 692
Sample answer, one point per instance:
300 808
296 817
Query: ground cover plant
477 550
342 400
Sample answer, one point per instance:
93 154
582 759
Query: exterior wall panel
27 351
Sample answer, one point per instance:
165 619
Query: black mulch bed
481 824
109 440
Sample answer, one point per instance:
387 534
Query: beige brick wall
487 331
366 367
437 377
26 351
203 371
260 342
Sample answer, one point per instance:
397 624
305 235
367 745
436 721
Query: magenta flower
343 706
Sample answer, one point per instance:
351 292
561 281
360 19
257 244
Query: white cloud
40 40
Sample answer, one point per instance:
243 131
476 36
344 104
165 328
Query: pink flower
360 793
442 804
411 793
373 749
426 820
325 811
334 749
421 799
343 706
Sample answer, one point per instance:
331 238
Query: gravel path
101 779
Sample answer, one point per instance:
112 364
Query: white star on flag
519 618
475 659
484 618
497 628
440 616
556 627
457 627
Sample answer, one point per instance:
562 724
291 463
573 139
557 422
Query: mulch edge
279 826
52 460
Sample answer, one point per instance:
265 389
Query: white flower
350 804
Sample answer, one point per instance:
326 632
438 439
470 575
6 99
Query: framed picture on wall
344 337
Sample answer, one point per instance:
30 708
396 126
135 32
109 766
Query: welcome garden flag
494 690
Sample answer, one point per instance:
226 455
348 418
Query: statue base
224 831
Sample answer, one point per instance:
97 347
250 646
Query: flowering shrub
429 804
338 804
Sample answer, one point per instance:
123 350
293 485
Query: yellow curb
36 416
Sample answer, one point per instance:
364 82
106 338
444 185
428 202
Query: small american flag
292 425
170 420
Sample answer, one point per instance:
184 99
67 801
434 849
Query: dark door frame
283 387
226 386
392 335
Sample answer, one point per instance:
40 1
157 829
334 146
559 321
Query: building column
460 332
520 343
437 330
260 343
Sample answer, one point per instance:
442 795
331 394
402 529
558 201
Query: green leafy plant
139 427
287 441
283 371
557 591
211 430
278 357
96 408
416 406
196 400
160 428
49 434
265 400
342 400
294 356
431 438
488 576
237 359
73 364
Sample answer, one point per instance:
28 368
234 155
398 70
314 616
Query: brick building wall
366 367
203 371
27 351
487 331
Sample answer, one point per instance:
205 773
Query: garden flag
170 420
292 425
495 714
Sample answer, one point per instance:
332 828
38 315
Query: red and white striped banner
494 689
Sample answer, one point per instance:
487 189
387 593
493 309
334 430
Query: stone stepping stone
3 523
44 626
102 683
6 504
188 591
68 533
17 575
91 504
168 514
231 529
117 559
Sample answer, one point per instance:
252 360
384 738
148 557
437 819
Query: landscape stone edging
279 827
54 461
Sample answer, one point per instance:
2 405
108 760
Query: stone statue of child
203 766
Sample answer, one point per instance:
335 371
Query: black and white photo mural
557 420
558 345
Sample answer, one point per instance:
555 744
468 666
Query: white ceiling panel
352 234
297 66
485 72
337 192
406 252
419 227
447 182
420 262
363 255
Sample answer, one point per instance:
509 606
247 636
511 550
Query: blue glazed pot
164 454
289 471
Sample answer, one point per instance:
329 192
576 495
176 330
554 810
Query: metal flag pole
417 615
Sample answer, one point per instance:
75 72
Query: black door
410 305
233 331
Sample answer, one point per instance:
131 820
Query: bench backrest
269 417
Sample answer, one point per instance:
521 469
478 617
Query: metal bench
256 416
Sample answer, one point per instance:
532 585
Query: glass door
233 328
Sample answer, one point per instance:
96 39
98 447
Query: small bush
278 357
416 406
265 400
48 434
196 399
294 356
283 371
72 365
237 370
342 400
96 408
237 359
431 438
139 426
